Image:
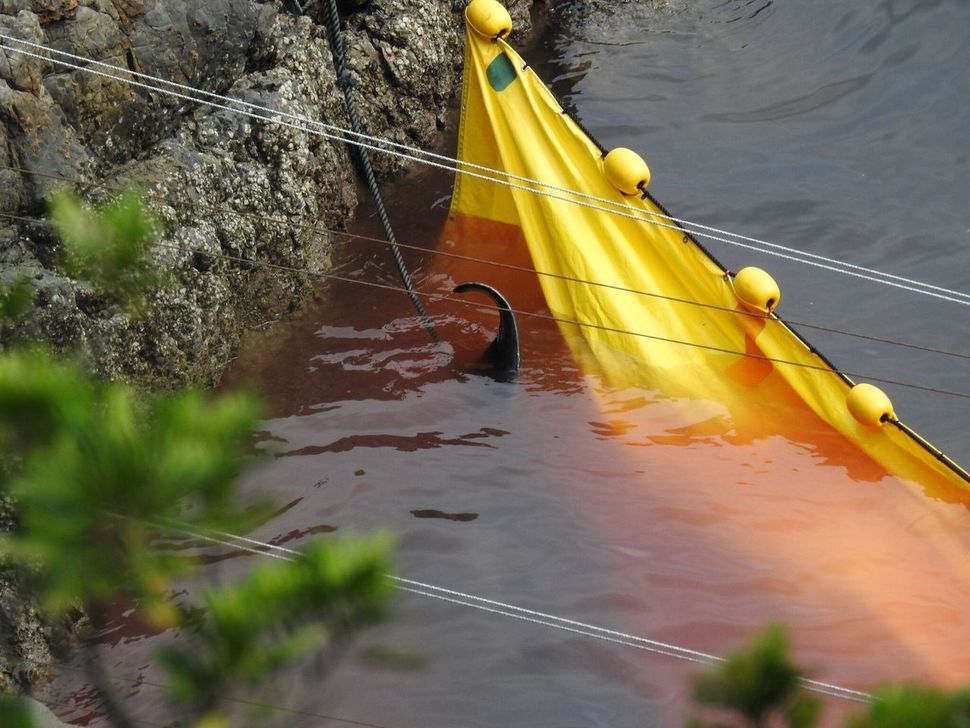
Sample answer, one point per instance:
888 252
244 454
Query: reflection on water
619 507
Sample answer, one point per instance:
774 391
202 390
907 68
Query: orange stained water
663 517
670 518
784 506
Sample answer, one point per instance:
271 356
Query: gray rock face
24 639
226 186
210 173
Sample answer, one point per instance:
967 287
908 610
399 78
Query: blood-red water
601 506
558 495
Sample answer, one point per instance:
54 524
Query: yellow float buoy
488 18
757 290
870 405
626 170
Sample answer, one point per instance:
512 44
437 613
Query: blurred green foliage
102 468
332 589
912 706
16 298
110 246
760 683
104 476
15 713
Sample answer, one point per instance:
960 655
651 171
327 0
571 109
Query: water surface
837 129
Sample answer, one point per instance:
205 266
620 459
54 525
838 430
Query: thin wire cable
625 289
409 585
453 161
665 648
492 606
535 315
584 324
534 186
484 261
432 591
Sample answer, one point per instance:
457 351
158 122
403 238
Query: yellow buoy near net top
757 290
488 18
626 170
870 405
749 363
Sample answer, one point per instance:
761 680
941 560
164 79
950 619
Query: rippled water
831 127
838 129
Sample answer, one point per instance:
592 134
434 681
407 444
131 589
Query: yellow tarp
512 123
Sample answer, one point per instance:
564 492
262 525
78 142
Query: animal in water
503 353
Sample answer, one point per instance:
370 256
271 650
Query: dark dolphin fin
503 352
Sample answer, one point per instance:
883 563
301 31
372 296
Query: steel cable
665 649
535 315
363 158
495 176
176 202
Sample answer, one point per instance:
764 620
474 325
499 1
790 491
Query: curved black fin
503 352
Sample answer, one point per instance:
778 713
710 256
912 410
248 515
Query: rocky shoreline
207 171
220 183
